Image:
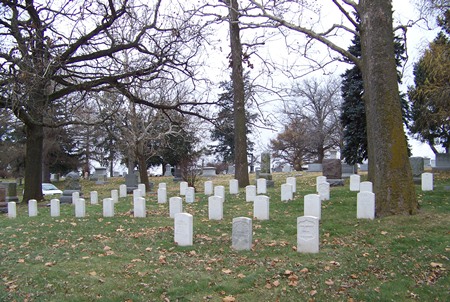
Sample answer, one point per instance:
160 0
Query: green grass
123 258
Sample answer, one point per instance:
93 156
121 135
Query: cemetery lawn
123 258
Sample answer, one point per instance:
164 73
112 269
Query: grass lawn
123 258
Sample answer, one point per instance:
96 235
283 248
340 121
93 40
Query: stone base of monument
335 182
3 207
268 177
417 180
131 189
66 196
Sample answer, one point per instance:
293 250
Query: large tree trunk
389 167
240 127
33 163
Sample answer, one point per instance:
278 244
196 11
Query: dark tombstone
11 191
72 184
131 181
3 203
332 170
265 169
442 162
417 168
177 174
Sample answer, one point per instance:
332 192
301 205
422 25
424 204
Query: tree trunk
33 162
142 165
389 167
240 127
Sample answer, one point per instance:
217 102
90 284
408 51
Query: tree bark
389 167
33 160
240 127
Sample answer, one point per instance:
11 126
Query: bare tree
317 103
53 50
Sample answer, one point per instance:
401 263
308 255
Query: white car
50 189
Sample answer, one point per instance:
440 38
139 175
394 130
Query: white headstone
190 195
108 207
115 195
324 191
75 196
183 186
365 186
162 185
162 195
365 208
355 181
286 192
312 205
183 229
234 186
32 208
209 189
307 234
261 186
139 208
136 194
219 191
12 209
141 187
292 181
80 208
319 180
215 208
55 208
250 193
123 190
427 181
261 207
175 206
242 234
94 197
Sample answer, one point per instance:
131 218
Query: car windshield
48 187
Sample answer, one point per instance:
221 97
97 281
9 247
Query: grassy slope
125 258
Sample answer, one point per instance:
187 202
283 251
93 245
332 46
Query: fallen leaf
304 270
93 273
268 286
354 276
21 261
383 232
240 276
107 248
49 264
162 259
313 292
226 271
276 283
329 282
229 299
287 272
436 264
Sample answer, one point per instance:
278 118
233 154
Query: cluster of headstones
307 225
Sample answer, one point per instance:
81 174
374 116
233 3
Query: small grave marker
242 233
307 234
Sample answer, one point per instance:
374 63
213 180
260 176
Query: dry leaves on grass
229 299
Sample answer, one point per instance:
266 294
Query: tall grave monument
265 169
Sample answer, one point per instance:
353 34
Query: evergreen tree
353 113
223 131
430 106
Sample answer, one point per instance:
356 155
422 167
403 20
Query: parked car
50 189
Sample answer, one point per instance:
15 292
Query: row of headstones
242 232
356 184
312 202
